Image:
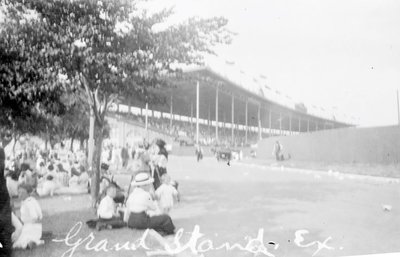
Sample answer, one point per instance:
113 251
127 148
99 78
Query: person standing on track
277 151
199 153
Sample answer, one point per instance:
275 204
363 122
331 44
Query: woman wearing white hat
138 205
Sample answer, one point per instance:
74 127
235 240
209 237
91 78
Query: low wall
190 150
348 145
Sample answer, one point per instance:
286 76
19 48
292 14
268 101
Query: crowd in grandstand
185 131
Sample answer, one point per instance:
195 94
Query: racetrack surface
230 202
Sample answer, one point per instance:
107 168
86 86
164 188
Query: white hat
142 179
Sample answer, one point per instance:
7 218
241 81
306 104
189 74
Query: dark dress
160 223
140 219
158 172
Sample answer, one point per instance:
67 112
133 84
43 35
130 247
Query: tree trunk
72 144
98 145
82 144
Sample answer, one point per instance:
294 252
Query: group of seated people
147 203
26 184
144 208
48 180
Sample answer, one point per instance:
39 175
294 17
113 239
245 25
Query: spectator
107 211
140 204
31 216
166 194
277 151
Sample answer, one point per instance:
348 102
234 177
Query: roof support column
246 121
299 124
270 121
308 125
233 118
146 122
208 120
197 111
216 115
290 124
280 123
259 122
191 117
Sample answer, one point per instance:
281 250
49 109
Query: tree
111 49
30 91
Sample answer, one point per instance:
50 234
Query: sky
342 55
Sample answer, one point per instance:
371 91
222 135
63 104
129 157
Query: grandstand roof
230 82
257 85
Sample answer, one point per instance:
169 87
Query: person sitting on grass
48 186
79 179
139 206
107 212
27 176
63 175
166 194
30 233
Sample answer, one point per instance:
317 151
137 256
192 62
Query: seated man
107 212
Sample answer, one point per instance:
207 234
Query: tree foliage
29 87
108 48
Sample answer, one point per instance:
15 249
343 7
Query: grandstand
219 104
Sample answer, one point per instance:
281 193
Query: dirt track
229 203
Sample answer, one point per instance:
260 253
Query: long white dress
31 231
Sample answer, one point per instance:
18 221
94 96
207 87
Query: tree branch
86 85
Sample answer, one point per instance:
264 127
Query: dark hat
61 167
81 168
161 143
104 166
25 166
74 172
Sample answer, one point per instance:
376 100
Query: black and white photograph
199 128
